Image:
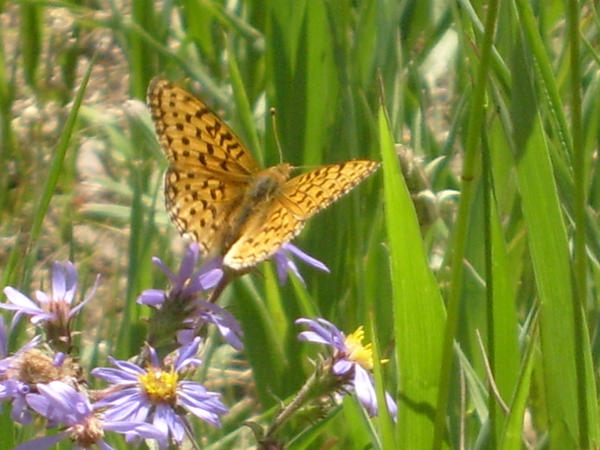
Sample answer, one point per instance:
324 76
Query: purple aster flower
285 263
61 403
185 284
20 374
351 359
158 394
182 309
207 312
56 309
11 387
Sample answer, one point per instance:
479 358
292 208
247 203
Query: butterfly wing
201 206
192 135
313 191
209 166
263 235
301 197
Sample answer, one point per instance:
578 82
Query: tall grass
471 258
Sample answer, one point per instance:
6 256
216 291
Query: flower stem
301 398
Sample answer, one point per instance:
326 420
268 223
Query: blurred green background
471 257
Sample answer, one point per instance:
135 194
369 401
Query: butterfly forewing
192 135
315 190
216 194
209 167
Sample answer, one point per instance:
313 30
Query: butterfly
217 195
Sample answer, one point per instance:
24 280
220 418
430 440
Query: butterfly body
262 189
217 195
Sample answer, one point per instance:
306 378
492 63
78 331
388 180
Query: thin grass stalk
580 175
466 195
488 198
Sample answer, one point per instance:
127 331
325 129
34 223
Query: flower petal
43 442
365 391
187 354
115 376
306 258
152 297
323 332
23 302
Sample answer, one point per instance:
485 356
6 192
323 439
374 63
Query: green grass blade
548 246
512 437
415 295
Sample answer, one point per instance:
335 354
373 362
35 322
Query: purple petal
365 391
56 393
201 412
285 263
165 418
88 297
282 265
187 354
39 404
211 278
128 404
185 336
157 262
306 258
342 367
67 405
154 360
19 412
207 407
103 445
19 302
71 281
391 406
64 281
323 332
42 298
228 326
215 263
144 430
117 376
58 281
3 339
188 263
43 442
205 278
126 366
152 297
311 336
59 359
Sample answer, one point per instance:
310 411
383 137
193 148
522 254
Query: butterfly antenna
276 132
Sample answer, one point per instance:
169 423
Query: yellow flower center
160 386
357 352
